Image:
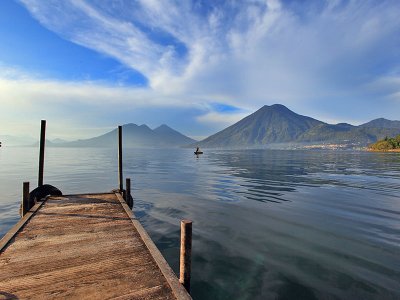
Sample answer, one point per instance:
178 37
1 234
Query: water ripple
272 224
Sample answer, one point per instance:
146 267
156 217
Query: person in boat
198 151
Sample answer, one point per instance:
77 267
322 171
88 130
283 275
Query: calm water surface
267 224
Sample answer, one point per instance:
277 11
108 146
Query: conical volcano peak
277 108
163 127
269 124
129 125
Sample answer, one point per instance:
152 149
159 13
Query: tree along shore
387 144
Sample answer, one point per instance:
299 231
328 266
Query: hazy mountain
345 134
135 136
51 143
173 136
382 123
10 140
269 124
277 124
58 141
326 132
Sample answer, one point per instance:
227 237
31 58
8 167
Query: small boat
197 152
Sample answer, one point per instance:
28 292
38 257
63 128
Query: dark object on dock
30 199
41 192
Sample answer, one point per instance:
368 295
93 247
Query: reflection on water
267 224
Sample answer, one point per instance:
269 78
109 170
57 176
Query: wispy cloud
221 119
241 53
25 99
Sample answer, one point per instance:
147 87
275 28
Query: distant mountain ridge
269 124
382 123
172 135
134 136
277 124
10 140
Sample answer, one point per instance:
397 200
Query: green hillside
386 144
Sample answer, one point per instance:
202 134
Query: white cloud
387 87
247 34
221 119
248 53
25 99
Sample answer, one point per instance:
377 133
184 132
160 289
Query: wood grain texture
81 247
41 151
186 254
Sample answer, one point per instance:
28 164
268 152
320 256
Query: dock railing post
120 175
186 254
41 151
128 197
25 198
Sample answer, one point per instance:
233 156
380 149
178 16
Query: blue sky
198 66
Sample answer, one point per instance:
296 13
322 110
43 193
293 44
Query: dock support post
128 197
120 177
25 198
186 254
41 151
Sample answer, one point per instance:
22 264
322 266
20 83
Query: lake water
267 224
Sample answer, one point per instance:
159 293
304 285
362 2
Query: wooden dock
83 247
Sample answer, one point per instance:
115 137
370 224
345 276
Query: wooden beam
41 151
25 199
120 174
186 254
168 273
128 197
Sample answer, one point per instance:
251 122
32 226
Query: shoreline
389 150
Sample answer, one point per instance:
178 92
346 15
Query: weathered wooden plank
17 227
25 205
41 151
86 247
120 171
168 273
186 254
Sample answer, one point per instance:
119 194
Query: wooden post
186 254
128 193
120 175
25 198
41 151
